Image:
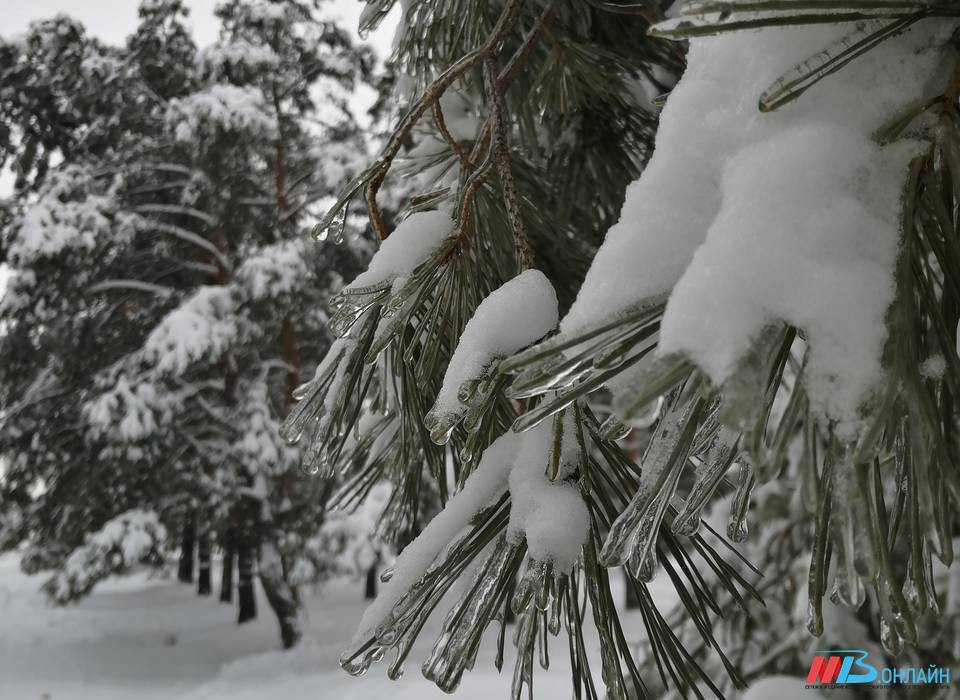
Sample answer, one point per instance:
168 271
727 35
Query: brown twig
448 137
501 158
430 95
469 191
509 72
520 55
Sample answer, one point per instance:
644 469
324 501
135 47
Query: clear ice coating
637 526
709 474
332 225
614 429
456 647
400 627
643 564
311 405
524 640
474 396
737 529
647 415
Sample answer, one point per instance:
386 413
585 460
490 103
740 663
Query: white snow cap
512 317
412 242
753 218
550 515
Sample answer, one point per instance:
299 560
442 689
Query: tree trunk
370 589
282 596
246 596
204 587
226 574
187 545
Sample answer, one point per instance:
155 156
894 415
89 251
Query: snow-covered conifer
774 293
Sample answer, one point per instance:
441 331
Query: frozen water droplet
331 226
647 415
441 432
890 639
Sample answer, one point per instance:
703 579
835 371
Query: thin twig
469 191
429 96
448 137
521 54
501 158
509 72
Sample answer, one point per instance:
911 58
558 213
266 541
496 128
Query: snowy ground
141 638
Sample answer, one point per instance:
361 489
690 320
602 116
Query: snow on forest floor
149 638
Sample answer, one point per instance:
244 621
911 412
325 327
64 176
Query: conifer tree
775 293
161 305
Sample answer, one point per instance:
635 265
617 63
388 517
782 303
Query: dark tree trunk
226 574
187 545
370 589
204 586
246 596
282 596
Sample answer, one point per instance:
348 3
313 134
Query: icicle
643 564
312 404
820 555
530 585
931 593
300 416
552 377
737 529
524 641
440 427
637 526
332 225
315 459
466 621
865 36
889 638
543 641
719 457
347 316
501 618
707 430
535 376
848 587
556 607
